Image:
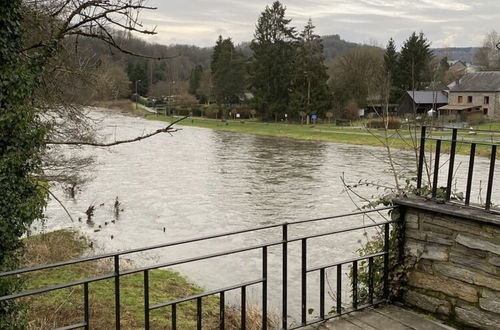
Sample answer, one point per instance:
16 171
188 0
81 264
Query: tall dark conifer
271 69
228 72
414 62
391 58
310 91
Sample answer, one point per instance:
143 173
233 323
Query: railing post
284 315
355 285
471 173
339 289
199 314
370 280
117 291
86 305
322 293
491 176
304 280
243 308
146 299
222 310
420 172
452 163
174 317
386 260
264 288
436 169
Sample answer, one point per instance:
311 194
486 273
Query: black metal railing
283 240
489 144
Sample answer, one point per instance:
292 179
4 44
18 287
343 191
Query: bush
392 123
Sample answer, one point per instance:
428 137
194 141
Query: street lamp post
136 94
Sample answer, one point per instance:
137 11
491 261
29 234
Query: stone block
467 275
435 252
428 226
472 262
428 303
424 266
490 301
415 234
411 219
440 238
463 250
473 316
449 287
463 226
494 260
477 243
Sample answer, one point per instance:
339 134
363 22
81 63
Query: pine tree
194 81
271 68
391 58
228 72
414 63
310 90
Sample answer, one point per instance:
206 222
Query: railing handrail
284 240
186 241
434 183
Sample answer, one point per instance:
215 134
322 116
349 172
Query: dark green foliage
228 72
271 68
138 72
195 80
414 63
310 91
391 122
21 143
391 59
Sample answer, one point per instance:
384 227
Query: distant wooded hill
465 54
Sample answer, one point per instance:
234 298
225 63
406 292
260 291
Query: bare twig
167 129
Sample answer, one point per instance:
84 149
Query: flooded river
199 182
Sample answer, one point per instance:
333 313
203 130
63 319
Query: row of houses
475 93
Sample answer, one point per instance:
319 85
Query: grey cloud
445 22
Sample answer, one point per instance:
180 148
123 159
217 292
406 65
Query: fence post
452 163
421 159
284 315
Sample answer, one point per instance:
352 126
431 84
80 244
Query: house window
469 99
460 99
485 111
486 100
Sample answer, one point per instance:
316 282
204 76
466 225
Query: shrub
392 123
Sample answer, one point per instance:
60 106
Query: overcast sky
446 23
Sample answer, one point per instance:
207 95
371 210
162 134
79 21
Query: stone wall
454 259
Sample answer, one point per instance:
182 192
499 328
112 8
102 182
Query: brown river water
200 182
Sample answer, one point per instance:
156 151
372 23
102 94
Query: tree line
285 76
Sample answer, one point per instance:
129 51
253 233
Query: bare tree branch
167 129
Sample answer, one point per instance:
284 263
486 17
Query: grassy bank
64 307
396 139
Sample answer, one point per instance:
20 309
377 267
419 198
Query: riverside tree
228 72
37 109
414 62
310 90
391 58
271 68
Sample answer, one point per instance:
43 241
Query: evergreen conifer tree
310 90
271 69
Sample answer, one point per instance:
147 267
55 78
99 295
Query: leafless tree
70 73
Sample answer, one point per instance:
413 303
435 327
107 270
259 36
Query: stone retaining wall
454 259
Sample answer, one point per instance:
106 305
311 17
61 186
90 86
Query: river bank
402 139
63 307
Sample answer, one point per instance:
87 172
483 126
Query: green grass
64 307
326 132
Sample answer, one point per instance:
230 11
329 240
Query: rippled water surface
199 182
